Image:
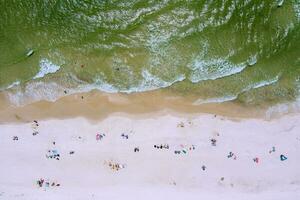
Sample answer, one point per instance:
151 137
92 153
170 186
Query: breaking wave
46 67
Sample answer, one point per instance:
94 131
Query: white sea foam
213 69
148 83
280 2
46 67
215 100
35 92
283 108
51 91
151 82
297 10
262 84
98 84
13 84
235 96
252 60
16 83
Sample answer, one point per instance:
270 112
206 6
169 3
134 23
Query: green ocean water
214 50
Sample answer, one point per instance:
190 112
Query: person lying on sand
100 136
192 148
273 150
40 182
35 124
165 146
230 155
213 142
256 159
177 152
115 166
124 136
35 133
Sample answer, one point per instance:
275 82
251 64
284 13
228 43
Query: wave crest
46 67
213 69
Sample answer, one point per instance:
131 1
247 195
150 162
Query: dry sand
151 173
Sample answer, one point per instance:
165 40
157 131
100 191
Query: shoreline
97 105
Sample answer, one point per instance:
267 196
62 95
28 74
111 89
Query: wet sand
96 106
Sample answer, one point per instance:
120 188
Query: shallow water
242 50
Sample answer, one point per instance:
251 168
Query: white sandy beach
152 173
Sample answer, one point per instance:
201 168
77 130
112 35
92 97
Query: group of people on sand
53 154
182 149
125 136
231 155
35 126
100 136
185 148
115 166
213 142
181 124
165 146
42 182
257 159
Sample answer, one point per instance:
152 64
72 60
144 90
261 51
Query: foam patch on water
51 91
282 108
46 67
232 97
16 83
213 69
280 2
297 10
252 60
216 100
148 83
285 108
35 92
98 84
262 84
151 82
